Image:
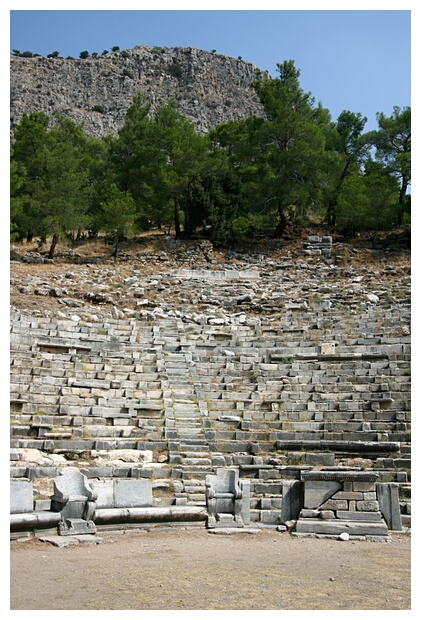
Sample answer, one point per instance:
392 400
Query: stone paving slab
235 530
67 541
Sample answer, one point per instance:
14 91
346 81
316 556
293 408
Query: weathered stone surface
357 515
316 492
292 499
21 496
337 527
132 493
388 500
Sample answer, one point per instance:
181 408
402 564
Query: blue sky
353 59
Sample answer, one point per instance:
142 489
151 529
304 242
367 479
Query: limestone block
292 499
105 492
357 515
363 486
21 496
132 493
316 492
350 495
388 498
368 506
338 526
335 504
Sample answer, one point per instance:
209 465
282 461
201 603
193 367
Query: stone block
349 495
316 492
132 493
21 496
309 514
326 514
320 458
368 506
335 504
358 515
363 486
388 499
245 508
292 499
105 492
338 526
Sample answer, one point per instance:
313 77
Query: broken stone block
316 492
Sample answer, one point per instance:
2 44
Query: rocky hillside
210 88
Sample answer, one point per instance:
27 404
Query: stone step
205 462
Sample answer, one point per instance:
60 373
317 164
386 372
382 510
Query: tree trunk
402 200
115 251
177 218
29 236
331 214
53 247
282 224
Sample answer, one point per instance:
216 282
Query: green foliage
292 144
99 108
115 48
84 54
175 70
393 147
251 174
118 214
128 74
240 227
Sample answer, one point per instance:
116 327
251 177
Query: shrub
115 48
84 54
128 74
240 227
175 70
98 108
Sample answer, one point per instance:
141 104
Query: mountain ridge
210 88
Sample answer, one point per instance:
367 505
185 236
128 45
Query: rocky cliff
210 88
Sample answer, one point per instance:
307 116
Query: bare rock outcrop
210 88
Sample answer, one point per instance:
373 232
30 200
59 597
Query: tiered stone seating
272 398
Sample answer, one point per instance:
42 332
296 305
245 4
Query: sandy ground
193 569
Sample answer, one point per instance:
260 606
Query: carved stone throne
75 500
224 499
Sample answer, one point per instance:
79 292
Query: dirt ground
193 569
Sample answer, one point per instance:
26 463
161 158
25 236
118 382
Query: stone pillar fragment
388 498
292 499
